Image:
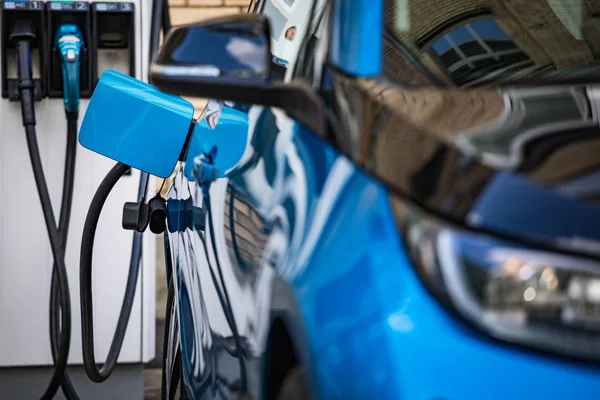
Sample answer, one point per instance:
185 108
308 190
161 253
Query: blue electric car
387 200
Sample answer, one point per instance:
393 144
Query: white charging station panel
25 256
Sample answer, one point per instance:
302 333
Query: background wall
187 11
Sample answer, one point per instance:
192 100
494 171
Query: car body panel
350 285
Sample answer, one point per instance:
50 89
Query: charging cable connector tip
69 43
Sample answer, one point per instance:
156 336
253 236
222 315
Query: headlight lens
518 294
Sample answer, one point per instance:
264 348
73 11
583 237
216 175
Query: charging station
116 35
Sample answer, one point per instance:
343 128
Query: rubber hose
63 230
160 14
61 270
28 115
85 282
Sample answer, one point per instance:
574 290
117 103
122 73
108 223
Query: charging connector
69 42
22 34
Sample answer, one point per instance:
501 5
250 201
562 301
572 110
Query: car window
484 42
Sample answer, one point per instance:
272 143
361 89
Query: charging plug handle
157 214
22 34
135 216
69 43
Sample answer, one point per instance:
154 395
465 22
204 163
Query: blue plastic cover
134 123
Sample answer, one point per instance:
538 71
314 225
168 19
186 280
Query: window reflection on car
485 42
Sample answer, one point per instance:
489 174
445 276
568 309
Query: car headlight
512 292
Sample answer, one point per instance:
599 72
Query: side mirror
134 123
229 59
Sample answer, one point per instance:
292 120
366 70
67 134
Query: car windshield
484 42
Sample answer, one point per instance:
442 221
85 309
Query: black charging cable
160 17
63 229
155 211
22 34
85 281
68 40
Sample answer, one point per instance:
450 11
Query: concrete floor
152 378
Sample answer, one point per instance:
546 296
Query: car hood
518 162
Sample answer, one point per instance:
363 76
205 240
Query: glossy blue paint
372 330
356 37
229 136
134 123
